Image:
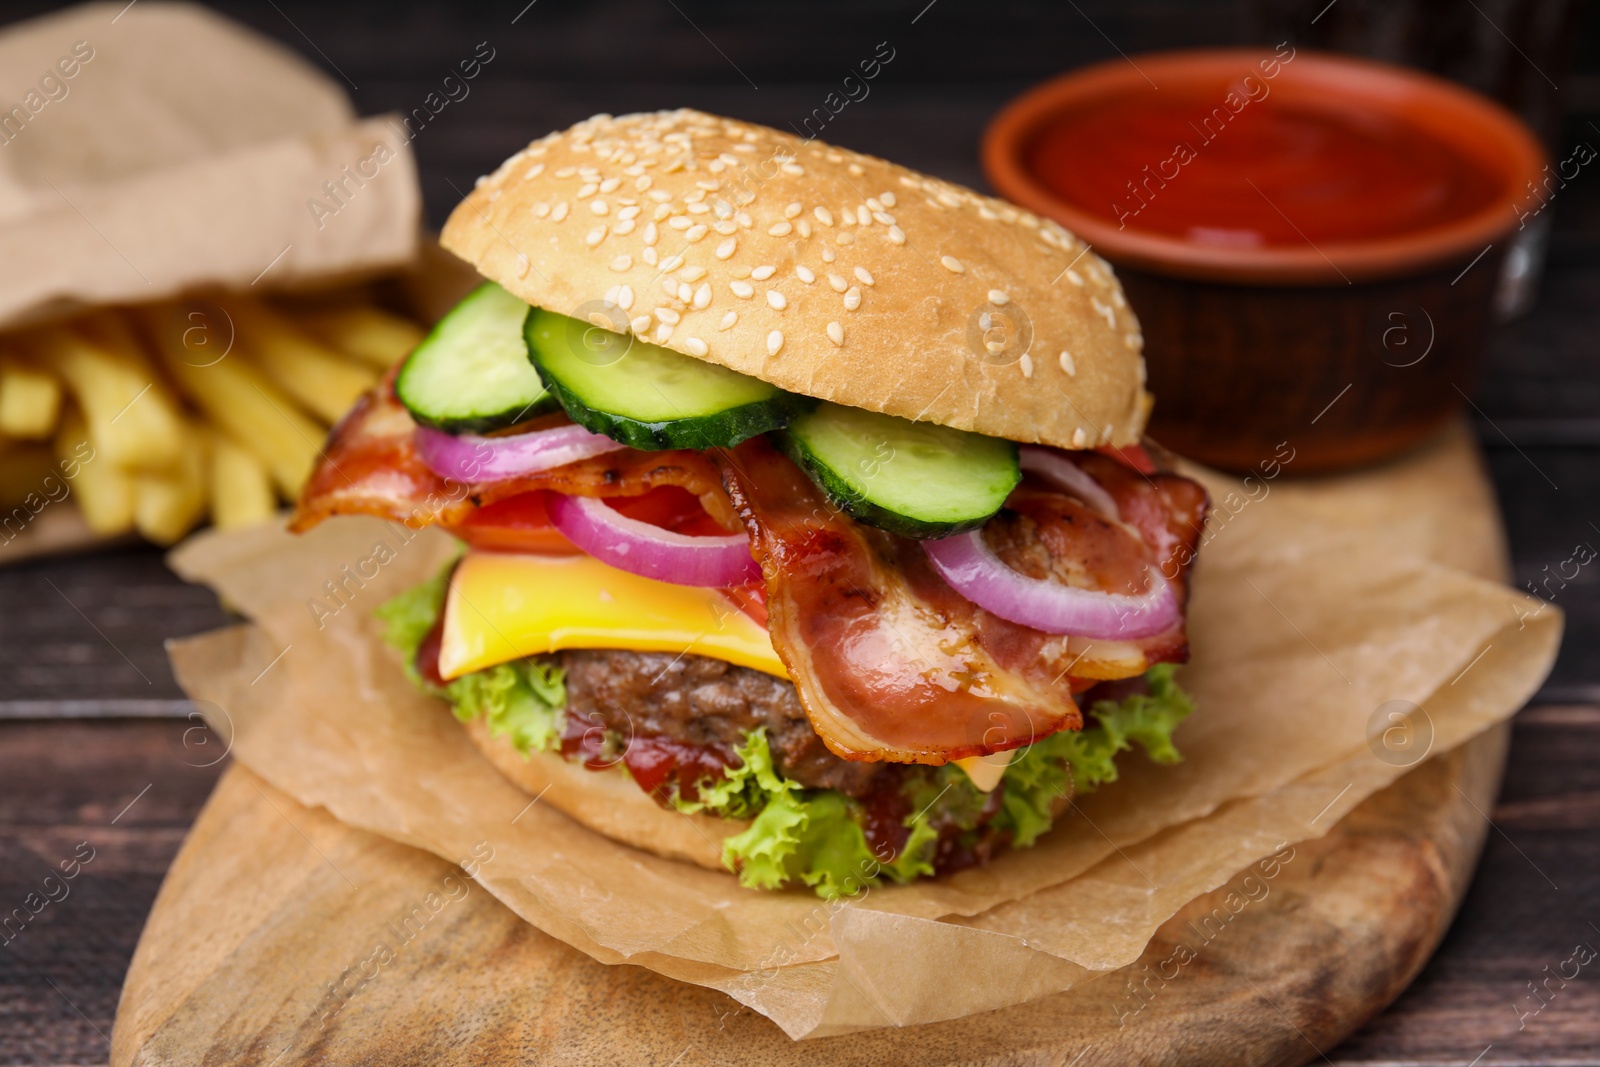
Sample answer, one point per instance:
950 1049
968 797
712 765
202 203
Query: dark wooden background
93 745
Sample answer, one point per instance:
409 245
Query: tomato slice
522 524
1130 456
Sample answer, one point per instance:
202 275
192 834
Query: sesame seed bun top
820 270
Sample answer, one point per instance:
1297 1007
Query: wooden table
93 744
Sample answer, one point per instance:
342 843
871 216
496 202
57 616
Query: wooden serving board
270 902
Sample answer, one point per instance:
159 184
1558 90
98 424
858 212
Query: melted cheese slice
986 771
503 606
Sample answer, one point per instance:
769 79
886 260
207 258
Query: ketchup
1243 165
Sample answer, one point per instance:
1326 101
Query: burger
808 529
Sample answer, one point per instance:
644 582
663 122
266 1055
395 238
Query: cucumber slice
650 397
471 373
915 479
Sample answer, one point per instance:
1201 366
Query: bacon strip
893 664
370 466
890 663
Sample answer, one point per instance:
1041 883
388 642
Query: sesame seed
1067 364
624 297
792 210
793 170
640 323
622 262
1079 438
663 334
623 228
599 207
728 320
692 274
1074 277
803 226
836 333
838 282
643 183
852 298
595 236
883 217
862 215
862 276
855 170
1104 310
683 292
952 264
560 212
534 171
660 196
742 290
949 200
566 172
763 272
695 346
874 203
541 210
650 233
781 229
888 199
744 220
828 255
666 315
702 296
694 233
522 265
997 296
671 263
725 227
775 300
726 248
804 274
680 222
648 255
823 215
629 212
588 190
845 238
1026 363
896 235
774 342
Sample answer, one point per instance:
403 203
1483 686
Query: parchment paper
181 151
1306 618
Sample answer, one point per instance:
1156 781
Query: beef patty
700 701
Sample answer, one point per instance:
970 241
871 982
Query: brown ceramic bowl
1345 351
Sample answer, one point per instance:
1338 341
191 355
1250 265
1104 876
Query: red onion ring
639 548
474 459
1067 475
970 566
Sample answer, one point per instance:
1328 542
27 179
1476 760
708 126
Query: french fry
131 418
321 379
168 503
30 400
103 492
241 491
239 400
372 335
26 481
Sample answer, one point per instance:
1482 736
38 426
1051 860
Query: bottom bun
609 802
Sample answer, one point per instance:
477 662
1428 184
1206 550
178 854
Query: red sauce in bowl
1266 167
1237 166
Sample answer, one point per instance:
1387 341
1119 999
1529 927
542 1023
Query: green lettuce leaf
522 700
1039 775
